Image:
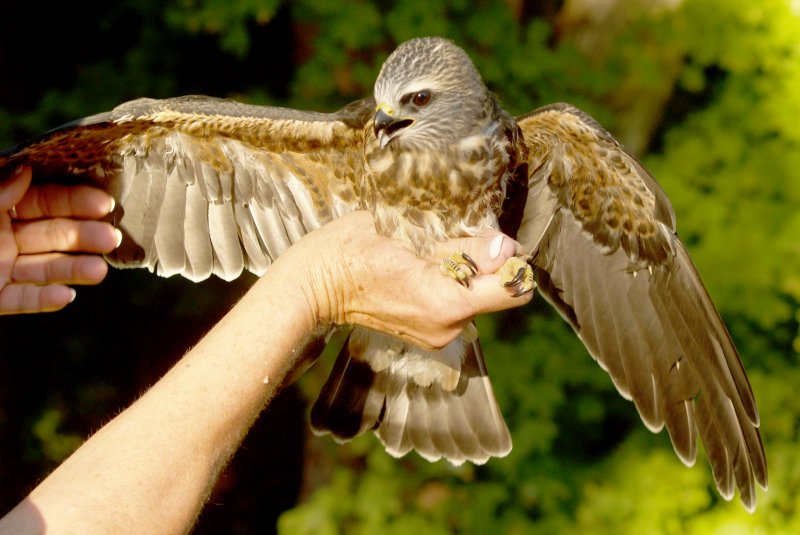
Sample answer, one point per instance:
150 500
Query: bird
208 186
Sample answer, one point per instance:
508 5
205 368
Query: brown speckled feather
209 186
602 237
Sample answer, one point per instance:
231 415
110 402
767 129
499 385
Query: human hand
39 226
355 276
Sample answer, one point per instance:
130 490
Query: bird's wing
206 185
601 233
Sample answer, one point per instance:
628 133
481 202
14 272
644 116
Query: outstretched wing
206 185
602 237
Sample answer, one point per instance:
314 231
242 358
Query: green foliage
731 168
725 148
54 445
581 460
227 19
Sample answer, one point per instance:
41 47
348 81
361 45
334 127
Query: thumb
489 251
13 186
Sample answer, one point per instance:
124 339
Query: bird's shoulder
588 173
88 145
271 127
208 185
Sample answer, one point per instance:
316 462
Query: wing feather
257 259
224 234
169 237
271 230
197 237
601 234
252 179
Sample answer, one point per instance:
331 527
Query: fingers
13 186
55 200
35 222
489 295
352 275
66 235
57 268
489 251
29 298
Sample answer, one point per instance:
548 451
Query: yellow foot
517 274
460 267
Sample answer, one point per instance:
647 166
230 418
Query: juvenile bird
209 186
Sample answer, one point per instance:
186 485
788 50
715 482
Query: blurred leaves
727 74
706 92
55 445
227 19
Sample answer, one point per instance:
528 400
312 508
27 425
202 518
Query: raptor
206 186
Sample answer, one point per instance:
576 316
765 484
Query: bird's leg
516 273
460 267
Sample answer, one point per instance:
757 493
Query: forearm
151 468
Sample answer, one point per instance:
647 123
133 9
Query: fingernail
18 170
72 294
113 204
495 246
118 234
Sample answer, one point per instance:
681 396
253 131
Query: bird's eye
421 98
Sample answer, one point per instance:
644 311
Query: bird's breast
429 195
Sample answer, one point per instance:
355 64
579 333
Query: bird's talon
517 274
517 278
459 266
470 263
520 292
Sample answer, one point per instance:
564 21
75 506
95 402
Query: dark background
83 365
704 91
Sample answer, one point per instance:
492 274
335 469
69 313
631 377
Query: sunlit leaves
729 162
727 151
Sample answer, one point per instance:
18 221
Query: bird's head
429 94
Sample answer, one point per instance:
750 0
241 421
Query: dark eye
422 98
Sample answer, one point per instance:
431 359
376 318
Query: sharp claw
517 278
464 282
520 292
470 262
459 266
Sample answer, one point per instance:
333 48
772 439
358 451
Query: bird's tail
440 404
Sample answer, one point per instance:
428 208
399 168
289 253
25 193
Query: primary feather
209 186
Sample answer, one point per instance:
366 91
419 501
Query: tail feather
459 424
346 405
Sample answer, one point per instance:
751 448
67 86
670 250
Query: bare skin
41 229
151 469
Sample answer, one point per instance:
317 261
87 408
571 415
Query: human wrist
324 287
303 276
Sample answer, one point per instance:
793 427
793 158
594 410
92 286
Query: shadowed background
706 92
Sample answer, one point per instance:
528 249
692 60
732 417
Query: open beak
386 124
382 121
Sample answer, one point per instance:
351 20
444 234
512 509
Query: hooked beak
386 124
